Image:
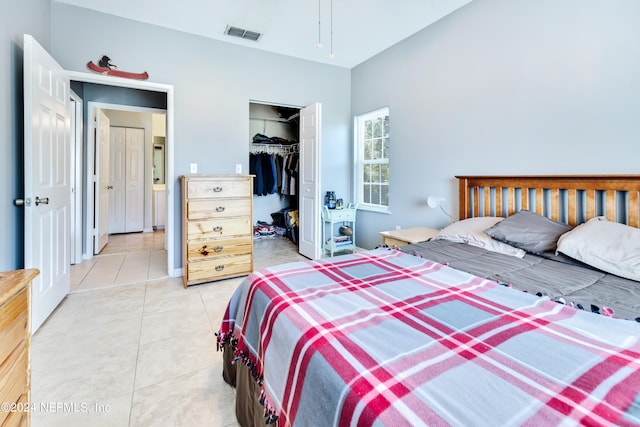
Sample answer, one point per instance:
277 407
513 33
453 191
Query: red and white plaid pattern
387 338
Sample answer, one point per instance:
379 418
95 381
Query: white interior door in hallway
126 197
47 187
102 182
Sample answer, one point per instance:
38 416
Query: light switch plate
194 168
238 168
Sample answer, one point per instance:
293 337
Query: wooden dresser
15 344
217 227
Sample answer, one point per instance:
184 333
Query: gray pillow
527 230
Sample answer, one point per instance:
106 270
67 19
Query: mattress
566 282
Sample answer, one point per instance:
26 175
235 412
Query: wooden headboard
572 199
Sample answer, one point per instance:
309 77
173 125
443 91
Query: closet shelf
282 149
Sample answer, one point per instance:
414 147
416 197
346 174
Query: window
372 160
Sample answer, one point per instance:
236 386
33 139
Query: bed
455 331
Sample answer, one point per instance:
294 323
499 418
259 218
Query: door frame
169 164
318 252
76 177
92 109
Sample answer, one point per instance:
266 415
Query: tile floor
131 347
127 258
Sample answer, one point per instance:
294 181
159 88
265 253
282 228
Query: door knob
18 202
109 187
43 201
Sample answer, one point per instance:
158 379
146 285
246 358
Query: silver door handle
43 201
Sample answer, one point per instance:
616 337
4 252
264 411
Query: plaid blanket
386 338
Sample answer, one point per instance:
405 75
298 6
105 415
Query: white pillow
471 232
607 245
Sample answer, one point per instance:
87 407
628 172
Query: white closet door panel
309 243
135 180
117 201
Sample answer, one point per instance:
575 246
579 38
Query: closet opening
274 161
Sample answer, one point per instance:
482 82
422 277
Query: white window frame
359 162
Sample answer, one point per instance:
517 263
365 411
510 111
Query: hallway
127 258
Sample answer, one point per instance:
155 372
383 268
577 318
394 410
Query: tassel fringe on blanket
224 339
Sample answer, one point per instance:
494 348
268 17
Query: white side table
408 236
333 241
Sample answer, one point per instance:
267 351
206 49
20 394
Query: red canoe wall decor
117 73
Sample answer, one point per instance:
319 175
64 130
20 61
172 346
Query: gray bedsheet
572 283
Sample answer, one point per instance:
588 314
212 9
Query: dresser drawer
220 188
342 214
209 270
13 323
223 227
13 375
211 248
207 209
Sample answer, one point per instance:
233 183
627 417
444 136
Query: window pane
384 173
385 149
377 148
367 173
386 126
377 128
384 198
367 150
368 132
367 193
375 194
375 173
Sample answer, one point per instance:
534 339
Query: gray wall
214 82
17 18
497 87
504 87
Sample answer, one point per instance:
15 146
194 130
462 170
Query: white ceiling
361 28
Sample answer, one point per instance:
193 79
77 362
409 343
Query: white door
103 184
117 175
126 201
47 157
309 199
134 180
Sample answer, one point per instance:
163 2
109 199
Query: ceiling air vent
242 33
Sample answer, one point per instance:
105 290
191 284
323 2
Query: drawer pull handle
220 209
215 189
217 228
218 248
219 267
204 251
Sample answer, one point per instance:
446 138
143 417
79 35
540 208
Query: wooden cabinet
15 344
217 227
408 236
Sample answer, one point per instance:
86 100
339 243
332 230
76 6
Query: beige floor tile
195 399
169 298
116 302
80 379
162 360
173 323
215 297
103 412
